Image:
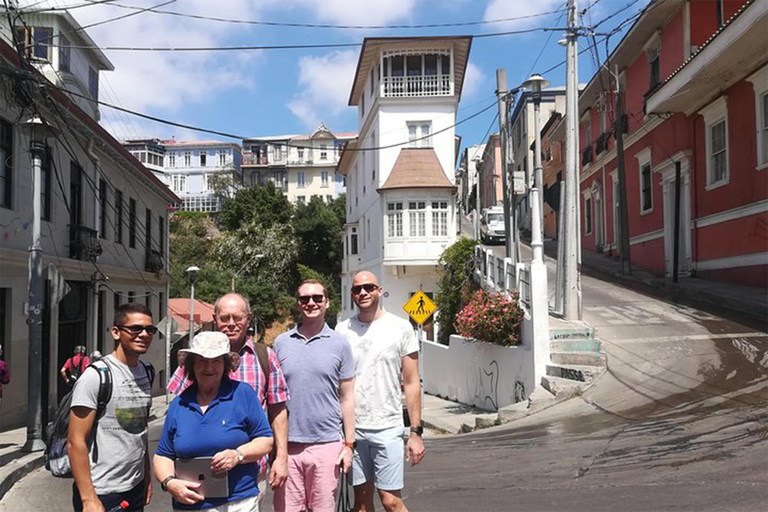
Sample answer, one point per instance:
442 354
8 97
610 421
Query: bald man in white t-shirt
384 347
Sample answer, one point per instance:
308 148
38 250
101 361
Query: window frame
119 216
440 219
714 114
93 83
65 54
644 161
759 82
588 213
417 218
416 135
132 223
301 179
395 216
203 158
324 179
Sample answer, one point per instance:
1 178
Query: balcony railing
586 156
252 159
84 243
153 262
416 86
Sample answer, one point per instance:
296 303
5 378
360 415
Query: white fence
485 375
501 275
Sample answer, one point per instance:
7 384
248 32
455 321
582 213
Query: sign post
420 308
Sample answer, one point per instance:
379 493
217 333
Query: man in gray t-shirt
121 471
319 370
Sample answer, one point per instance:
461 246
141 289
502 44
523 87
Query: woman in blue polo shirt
215 417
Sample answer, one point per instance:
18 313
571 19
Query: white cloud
324 85
356 12
474 80
502 9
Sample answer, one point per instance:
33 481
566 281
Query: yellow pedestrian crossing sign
420 307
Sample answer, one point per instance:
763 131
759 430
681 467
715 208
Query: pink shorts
313 477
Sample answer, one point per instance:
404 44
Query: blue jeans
134 498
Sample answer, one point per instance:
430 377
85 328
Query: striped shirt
249 372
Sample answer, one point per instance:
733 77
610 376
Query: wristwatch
351 445
240 456
418 430
164 483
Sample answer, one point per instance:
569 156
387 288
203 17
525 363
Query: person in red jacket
5 376
75 365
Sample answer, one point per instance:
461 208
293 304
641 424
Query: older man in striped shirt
232 314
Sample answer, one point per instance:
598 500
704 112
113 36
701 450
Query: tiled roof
417 168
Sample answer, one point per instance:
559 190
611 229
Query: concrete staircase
576 360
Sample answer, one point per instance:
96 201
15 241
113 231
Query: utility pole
35 303
501 92
477 199
624 255
572 235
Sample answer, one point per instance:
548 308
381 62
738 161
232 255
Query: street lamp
192 272
255 257
38 131
535 84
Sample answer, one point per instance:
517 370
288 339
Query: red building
695 84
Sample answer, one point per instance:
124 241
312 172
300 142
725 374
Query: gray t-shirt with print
121 434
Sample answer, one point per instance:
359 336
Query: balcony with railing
416 73
153 261
416 86
84 243
253 159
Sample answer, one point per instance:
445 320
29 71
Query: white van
492 225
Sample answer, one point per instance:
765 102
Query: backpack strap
150 372
262 354
103 398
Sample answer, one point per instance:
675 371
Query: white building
302 166
522 136
104 215
400 180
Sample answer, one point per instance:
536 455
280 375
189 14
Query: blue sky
258 93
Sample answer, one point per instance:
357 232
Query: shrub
454 285
491 317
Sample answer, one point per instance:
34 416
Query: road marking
689 337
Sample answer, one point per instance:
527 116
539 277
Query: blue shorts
379 456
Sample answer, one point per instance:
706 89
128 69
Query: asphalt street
678 422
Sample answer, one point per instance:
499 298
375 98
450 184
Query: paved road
679 422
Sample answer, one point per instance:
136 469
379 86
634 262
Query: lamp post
255 257
38 131
192 272
539 294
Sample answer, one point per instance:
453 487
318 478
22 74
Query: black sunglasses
368 287
318 299
136 329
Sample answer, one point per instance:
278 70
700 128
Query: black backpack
57 446
76 371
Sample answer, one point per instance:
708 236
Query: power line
156 10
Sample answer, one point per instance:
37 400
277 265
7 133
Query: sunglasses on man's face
368 287
318 299
137 329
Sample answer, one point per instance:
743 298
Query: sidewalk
746 302
16 464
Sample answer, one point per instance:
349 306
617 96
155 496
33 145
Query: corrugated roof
417 168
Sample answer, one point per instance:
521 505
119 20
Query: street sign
420 307
518 183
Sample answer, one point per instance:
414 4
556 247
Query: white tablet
199 470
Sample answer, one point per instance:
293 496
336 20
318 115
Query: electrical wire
157 10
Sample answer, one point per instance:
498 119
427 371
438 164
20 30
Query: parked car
492 225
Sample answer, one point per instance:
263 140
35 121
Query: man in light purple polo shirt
320 372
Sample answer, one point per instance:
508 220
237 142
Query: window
394 220
368 229
206 183
646 192
203 158
6 163
588 130
372 84
300 179
362 105
653 67
278 150
323 152
132 223
324 178
187 159
222 158
65 53
102 228
301 199
171 159
93 83
720 13
418 135
440 218
300 152
716 125
328 199
131 296
353 241
45 184
587 215
762 124
179 183
147 230
41 39
119 216
417 218
161 237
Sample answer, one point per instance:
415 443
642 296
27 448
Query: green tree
454 285
318 227
193 237
262 206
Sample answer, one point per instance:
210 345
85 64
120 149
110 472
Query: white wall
480 374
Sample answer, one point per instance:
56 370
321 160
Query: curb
26 465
